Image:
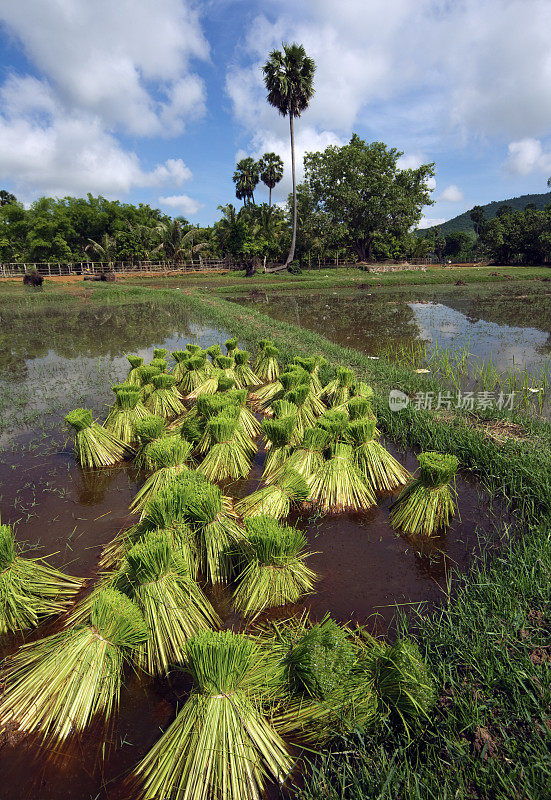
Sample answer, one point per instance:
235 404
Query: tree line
354 203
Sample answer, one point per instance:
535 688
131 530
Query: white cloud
408 73
526 156
127 62
428 222
181 203
451 194
411 161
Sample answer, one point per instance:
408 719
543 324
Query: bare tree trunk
270 196
291 255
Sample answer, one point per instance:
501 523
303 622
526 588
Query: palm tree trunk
270 196
294 239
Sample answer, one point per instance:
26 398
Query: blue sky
155 100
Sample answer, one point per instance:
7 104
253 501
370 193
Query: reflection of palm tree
106 248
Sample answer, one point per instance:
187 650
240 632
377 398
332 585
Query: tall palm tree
246 177
271 171
289 79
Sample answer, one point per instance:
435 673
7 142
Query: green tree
6 198
362 189
246 177
271 171
289 79
105 249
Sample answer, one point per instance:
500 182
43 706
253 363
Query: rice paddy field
452 693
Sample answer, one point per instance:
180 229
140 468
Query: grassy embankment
488 645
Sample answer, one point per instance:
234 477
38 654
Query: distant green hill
463 221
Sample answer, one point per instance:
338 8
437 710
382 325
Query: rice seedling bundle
358 407
193 348
307 459
167 456
148 430
217 534
330 692
245 376
290 379
159 363
226 458
220 745
226 365
231 345
248 423
160 352
165 399
402 681
339 485
157 578
231 403
260 350
267 366
133 379
146 373
180 357
279 436
335 423
126 413
95 446
426 505
305 416
339 390
225 383
380 469
29 588
208 386
275 499
213 351
194 375
311 365
274 573
208 407
58 685
283 408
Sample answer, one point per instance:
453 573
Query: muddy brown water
366 572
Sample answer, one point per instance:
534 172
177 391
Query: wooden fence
46 269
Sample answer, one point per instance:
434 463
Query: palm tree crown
246 177
289 79
271 171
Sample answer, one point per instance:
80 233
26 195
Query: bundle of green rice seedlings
193 348
361 389
339 485
380 469
159 363
359 407
133 379
267 366
311 365
29 588
95 446
226 458
231 345
156 577
167 456
208 386
148 430
283 408
181 358
207 407
248 423
160 352
260 350
275 499
58 685
330 691
194 375
274 573
165 400
146 373
305 415
426 505
292 377
245 377
279 437
220 745
402 681
213 351
339 390
217 533
335 423
226 365
127 411
307 458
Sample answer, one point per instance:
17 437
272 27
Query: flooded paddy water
57 360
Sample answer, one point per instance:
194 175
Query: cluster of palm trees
249 172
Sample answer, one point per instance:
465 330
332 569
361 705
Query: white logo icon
397 400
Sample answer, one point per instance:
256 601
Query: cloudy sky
154 100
